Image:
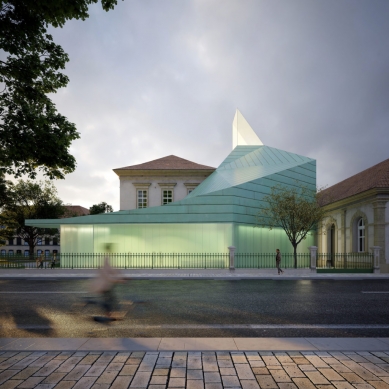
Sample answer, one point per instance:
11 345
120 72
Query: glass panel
10 252
26 253
39 241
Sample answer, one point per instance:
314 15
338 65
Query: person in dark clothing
278 261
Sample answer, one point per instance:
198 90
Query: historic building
159 182
47 245
358 214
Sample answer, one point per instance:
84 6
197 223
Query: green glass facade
220 212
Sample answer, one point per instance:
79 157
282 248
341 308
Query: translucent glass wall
176 238
249 239
147 238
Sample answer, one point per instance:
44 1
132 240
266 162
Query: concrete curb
194 344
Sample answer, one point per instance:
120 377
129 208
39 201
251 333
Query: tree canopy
33 135
102 207
30 200
296 210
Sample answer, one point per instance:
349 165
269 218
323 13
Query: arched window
361 236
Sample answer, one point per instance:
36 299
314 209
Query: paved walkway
194 369
289 274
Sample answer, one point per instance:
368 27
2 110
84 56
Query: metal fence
22 262
345 261
268 260
147 260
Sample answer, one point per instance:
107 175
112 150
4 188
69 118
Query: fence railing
192 261
147 260
268 260
345 261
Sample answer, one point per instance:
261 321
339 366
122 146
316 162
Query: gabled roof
76 210
375 177
171 162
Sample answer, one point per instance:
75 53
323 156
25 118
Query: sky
153 78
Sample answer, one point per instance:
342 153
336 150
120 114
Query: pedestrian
278 261
41 259
104 285
53 260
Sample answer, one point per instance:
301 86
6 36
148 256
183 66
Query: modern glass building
219 213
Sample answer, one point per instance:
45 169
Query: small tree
296 210
102 207
30 200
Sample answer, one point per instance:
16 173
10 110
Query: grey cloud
155 78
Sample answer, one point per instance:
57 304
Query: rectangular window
167 196
19 252
38 253
2 253
55 251
19 241
47 241
55 241
10 252
39 241
25 243
10 241
142 198
26 253
47 253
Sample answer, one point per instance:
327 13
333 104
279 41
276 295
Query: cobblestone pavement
194 370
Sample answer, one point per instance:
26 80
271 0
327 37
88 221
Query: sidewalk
220 274
158 369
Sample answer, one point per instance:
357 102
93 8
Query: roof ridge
165 163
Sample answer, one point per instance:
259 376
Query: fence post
376 255
313 250
232 257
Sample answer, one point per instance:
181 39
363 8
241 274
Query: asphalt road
199 308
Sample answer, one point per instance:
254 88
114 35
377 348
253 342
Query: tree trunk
31 248
295 255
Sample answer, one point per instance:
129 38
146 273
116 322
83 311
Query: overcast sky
159 77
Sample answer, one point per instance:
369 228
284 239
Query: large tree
33 135
30 200
102 207
295 209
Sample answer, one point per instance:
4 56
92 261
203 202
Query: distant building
159 182
358 214
48 246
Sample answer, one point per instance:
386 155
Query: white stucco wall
128 189
335 217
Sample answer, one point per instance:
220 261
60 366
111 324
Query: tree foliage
102 207
30 200
33 135
296 210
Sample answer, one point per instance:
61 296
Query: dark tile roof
76 210
375 177
171 162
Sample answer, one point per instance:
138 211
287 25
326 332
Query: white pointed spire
242 133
